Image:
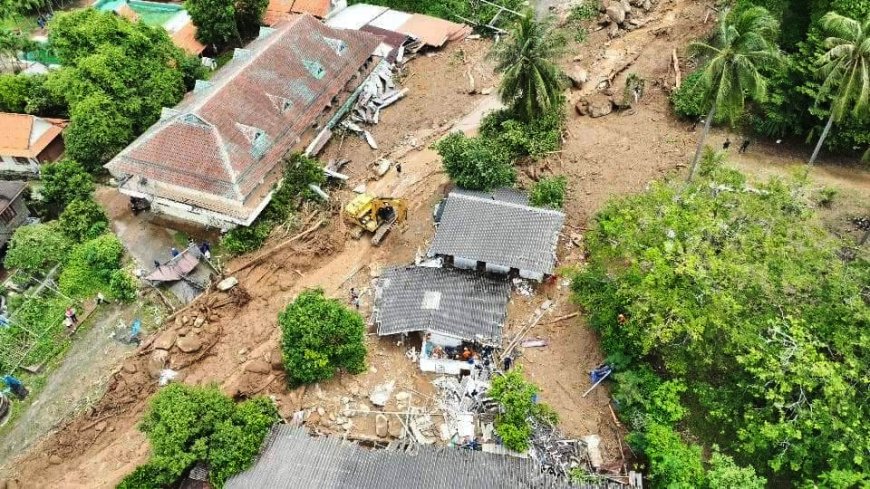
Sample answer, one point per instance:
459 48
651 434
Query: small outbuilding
497 232
13 209
27 141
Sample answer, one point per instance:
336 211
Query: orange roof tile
317 8
433 31
185 38
15 133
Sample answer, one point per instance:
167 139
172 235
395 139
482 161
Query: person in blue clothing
16 386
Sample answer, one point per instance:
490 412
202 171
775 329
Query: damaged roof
10 190
451 302
293 460
498 232
233 129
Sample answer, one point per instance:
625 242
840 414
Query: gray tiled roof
293 460
511 195
447 301
498 232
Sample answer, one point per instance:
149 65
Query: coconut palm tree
846 70
738 49
531 83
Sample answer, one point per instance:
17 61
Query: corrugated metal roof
9 191
391 20
447 301
432 30
224 138
498 232
293 460
355 16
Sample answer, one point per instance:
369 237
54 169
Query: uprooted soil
232 338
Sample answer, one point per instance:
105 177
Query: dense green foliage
249 16
549 192
299 172
479 13
40 316
15 91
476 163
519 409
688 100
82 220
64 182
739 50
186 424
115 79
90 267
215 21
792 107
746 307
536 138
37 248
531 83
319 336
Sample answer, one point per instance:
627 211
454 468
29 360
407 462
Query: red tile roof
317 8
185 38
205 144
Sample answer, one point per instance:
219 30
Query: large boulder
616 13
578 76
600 106
165 340
157 362
189 344
381 426
258 366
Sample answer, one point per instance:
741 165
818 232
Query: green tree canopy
845 68
249 16
215 20
91 266
517 399
318 337
531 83
476 163
97 131
37 248
82 220
733 290
64 182
186 424
741 46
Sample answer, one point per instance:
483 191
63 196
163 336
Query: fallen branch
566 316
264 254
677 73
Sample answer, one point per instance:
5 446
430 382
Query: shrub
826 196
122 286
186 424
37 247
476 163
517 398
725 474
244 239
318 336
673 463
91 265
64 182
549 192
83 220
536 138
688 99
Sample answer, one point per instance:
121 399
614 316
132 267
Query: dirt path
78 382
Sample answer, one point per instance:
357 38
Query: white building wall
8 164
497 269
464 263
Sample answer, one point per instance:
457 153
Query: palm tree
846 70
739 48
531 83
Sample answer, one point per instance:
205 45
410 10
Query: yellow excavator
375 214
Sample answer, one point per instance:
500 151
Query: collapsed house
215 157
497 232
291 459
450 308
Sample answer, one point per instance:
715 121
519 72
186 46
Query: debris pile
377 92
623 15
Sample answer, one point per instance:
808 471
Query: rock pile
623 15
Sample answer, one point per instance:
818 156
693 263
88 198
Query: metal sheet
355 16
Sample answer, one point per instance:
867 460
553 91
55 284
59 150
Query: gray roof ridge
540 210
